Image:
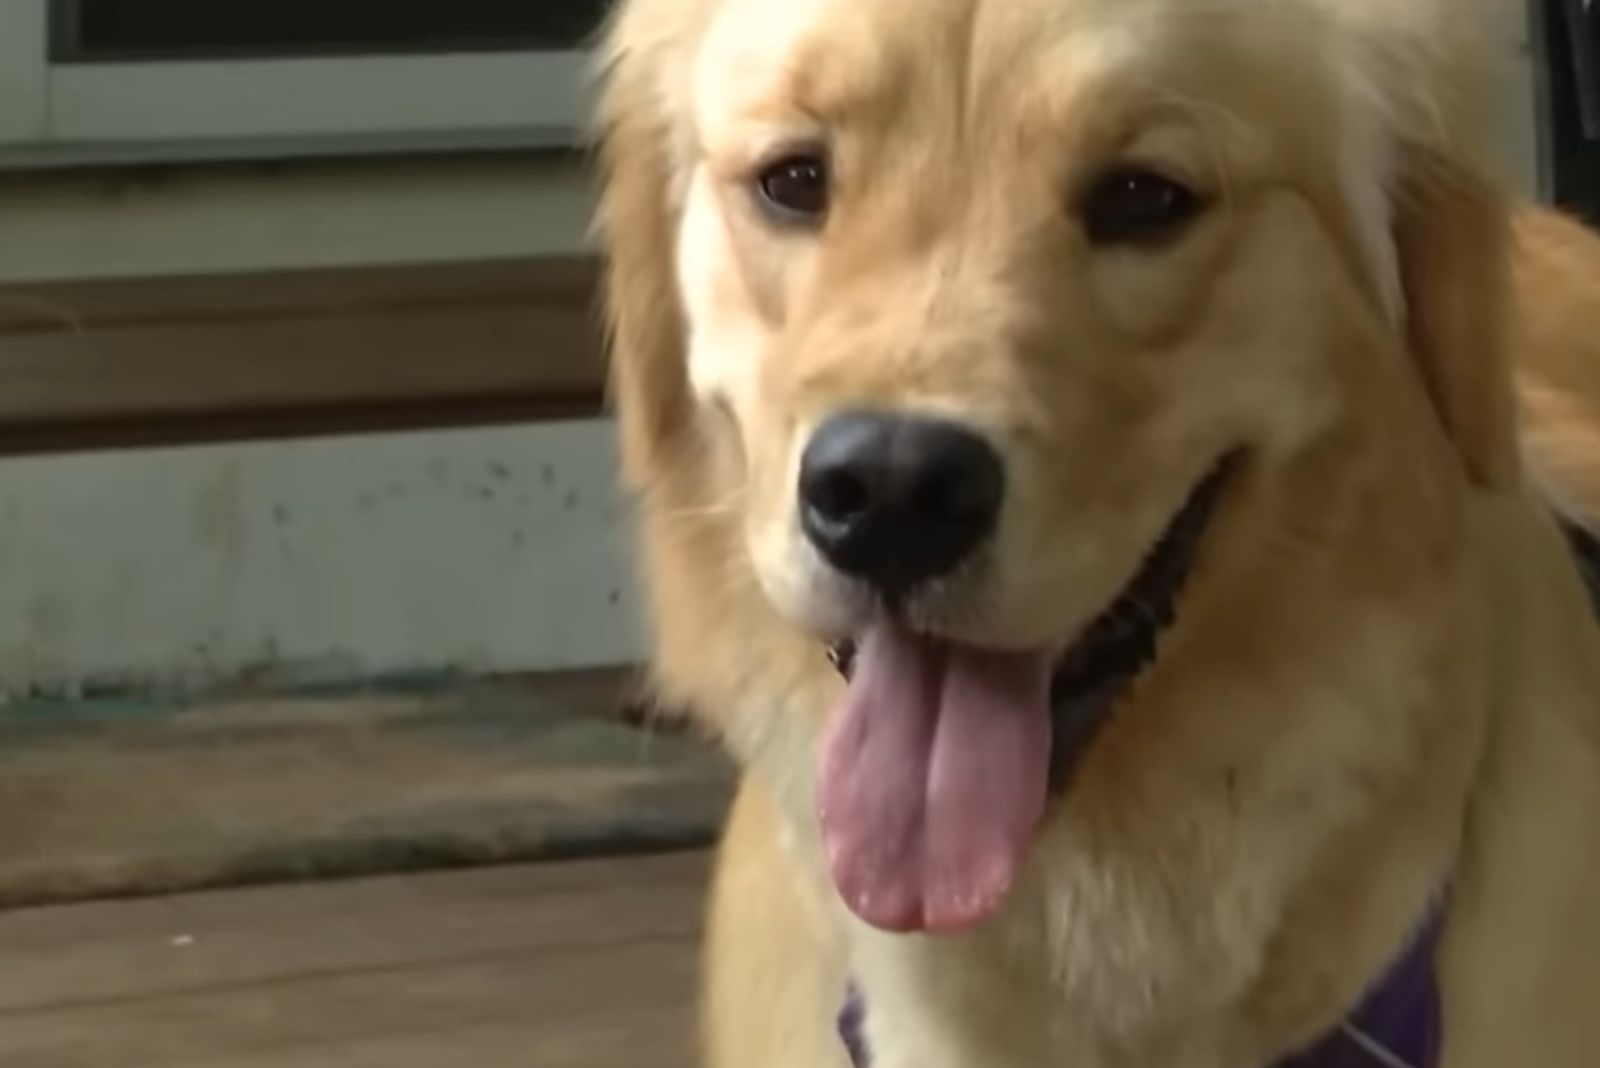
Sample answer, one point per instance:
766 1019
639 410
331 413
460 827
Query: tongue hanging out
934 776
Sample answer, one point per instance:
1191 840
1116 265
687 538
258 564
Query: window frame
54 114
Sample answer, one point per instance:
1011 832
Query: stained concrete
118 795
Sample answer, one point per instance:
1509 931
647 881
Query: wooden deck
578 965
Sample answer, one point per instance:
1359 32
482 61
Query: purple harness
1398 1025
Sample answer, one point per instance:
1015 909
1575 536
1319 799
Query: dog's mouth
1122 641
938 766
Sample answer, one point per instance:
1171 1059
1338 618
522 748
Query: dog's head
1051 356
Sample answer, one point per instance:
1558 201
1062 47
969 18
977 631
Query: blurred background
318 639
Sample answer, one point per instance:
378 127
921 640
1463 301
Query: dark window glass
1571 34
127 30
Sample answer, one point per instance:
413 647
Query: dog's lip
1120 643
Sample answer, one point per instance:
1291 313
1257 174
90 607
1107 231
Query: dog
1109 472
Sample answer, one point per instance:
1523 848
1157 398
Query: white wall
484 550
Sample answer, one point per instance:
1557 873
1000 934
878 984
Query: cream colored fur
1384 679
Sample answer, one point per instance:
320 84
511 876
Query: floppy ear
1452 231
648 374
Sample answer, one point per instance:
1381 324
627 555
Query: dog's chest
1398 1024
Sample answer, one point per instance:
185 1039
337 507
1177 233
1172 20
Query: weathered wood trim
219 358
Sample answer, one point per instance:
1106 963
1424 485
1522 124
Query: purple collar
1398 1025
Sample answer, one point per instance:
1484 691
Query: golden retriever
1119 394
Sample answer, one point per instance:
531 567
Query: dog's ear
636 219
1452 232
1431 74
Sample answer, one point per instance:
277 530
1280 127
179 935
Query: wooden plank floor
581 965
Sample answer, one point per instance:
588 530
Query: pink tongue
934 775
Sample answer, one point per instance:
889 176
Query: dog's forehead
754 47
794 62
821 57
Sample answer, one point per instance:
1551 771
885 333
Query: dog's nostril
897 500
840 496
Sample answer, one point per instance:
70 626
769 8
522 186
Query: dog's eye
1132 206
795 188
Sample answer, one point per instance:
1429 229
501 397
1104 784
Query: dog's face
1063 261
1009 342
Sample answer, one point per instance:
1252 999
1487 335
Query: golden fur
1384 678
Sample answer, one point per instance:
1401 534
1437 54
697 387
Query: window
96 82
1571 57
88 31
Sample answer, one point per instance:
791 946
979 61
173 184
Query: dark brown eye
795 189
1132 206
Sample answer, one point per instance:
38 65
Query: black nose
898 500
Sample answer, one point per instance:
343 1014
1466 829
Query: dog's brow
829 86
